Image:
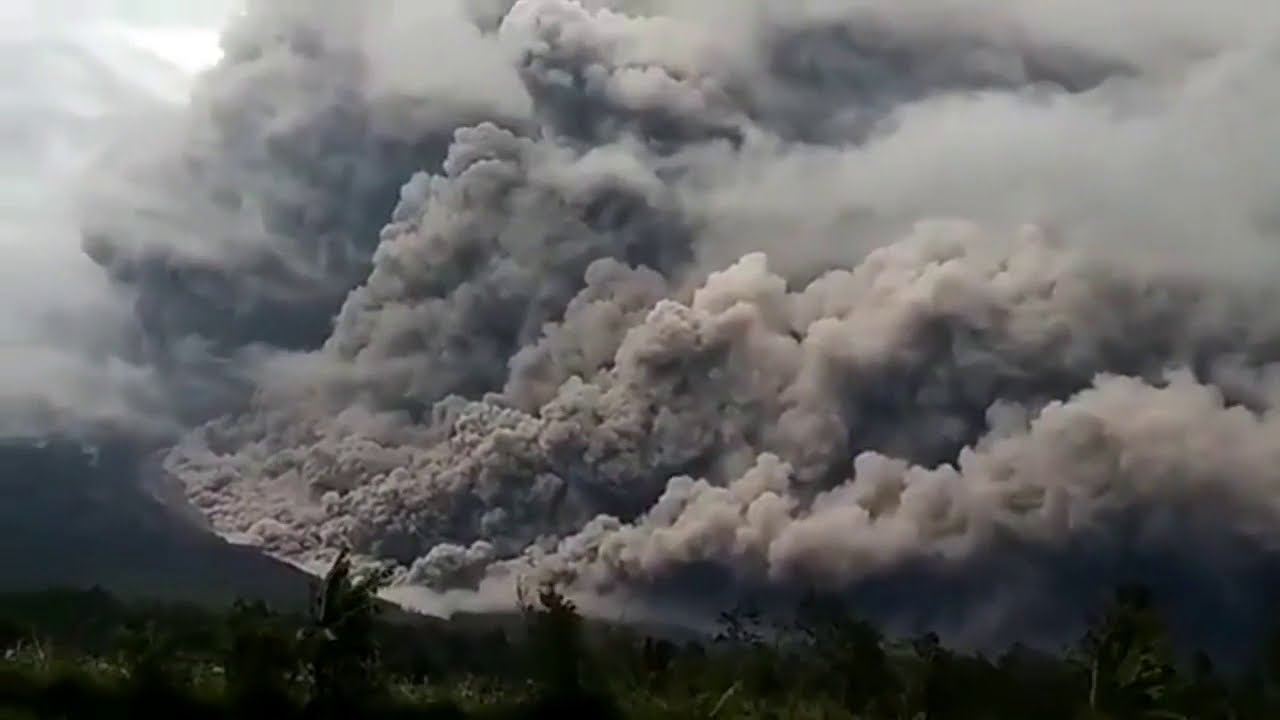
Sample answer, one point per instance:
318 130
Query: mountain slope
73 517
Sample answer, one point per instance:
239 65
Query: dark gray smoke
246 220
955 305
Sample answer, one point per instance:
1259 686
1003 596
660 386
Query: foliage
85 655
338 642
260 658
1129 660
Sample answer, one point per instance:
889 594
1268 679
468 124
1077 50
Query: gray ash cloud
963 298
247 219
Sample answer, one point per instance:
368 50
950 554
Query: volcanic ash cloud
788 293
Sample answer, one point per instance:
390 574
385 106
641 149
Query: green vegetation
84 655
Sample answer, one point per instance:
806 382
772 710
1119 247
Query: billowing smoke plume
848 293
69 80
246 219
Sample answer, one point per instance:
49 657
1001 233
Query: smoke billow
69 80
960 295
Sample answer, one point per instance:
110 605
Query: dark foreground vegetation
84 655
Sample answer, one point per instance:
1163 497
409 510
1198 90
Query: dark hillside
70 517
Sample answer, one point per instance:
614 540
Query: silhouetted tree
1128 660
1205 696
555 635
560 658
338 641
849 657
148 655
260 659
756 666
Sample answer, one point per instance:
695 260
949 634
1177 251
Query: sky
70 72
189 48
